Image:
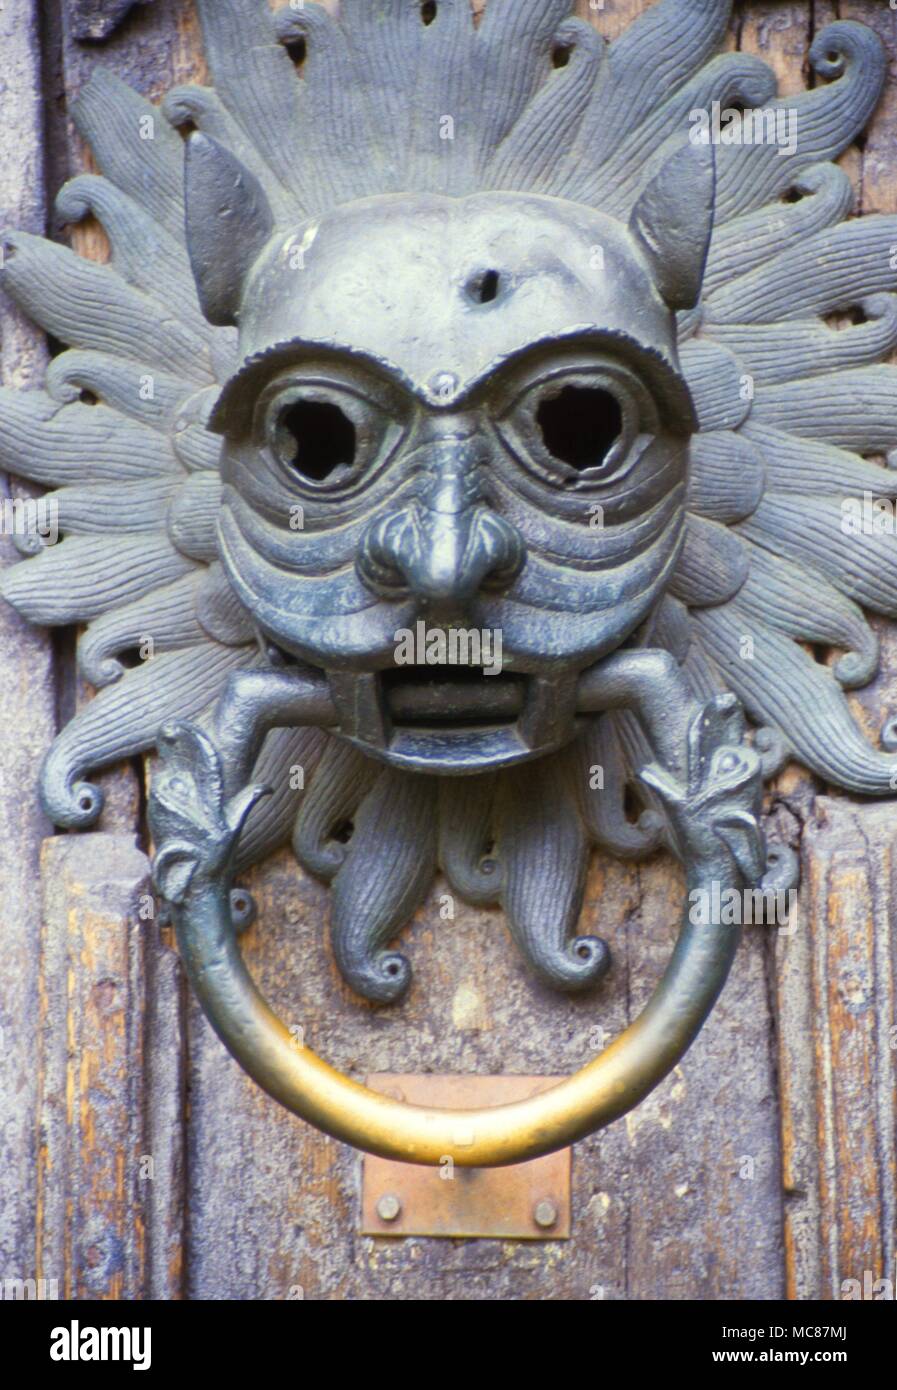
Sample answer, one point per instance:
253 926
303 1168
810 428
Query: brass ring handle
711 800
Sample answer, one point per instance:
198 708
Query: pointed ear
672 222
228 223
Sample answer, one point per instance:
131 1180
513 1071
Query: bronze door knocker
463 422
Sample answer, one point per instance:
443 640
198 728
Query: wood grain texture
838 1050
109 1169
97 19
27 697
90 1231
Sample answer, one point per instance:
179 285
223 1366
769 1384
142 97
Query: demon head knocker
457 420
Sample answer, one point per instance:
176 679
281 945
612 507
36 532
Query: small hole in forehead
484 286
428 11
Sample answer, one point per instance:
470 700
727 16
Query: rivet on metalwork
389 1208
545 1213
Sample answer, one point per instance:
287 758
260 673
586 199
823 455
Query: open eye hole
326 436
580 425
315 439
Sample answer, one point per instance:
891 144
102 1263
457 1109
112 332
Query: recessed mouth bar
440 695
453 719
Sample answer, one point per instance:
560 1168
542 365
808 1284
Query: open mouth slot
457 696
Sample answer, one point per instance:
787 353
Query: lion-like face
457 417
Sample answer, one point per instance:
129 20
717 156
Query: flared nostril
504 551
385 552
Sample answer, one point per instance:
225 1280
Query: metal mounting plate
527 1201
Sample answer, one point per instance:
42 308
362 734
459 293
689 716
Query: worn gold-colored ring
601 1092
708 784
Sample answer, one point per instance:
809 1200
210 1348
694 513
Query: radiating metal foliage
462 327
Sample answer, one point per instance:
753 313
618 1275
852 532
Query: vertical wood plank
152 50
110 1168
26 684
839 1054
878 184
90 1216
165 1116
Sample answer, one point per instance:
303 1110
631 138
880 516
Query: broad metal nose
447 544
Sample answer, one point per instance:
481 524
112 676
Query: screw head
545 1213
389 1207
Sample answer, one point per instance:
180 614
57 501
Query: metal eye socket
577 429
315 439
580 425
324 437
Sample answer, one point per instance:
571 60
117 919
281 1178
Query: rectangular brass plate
527 1201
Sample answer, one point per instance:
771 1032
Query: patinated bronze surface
463 331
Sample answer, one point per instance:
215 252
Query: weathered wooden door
137 1160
